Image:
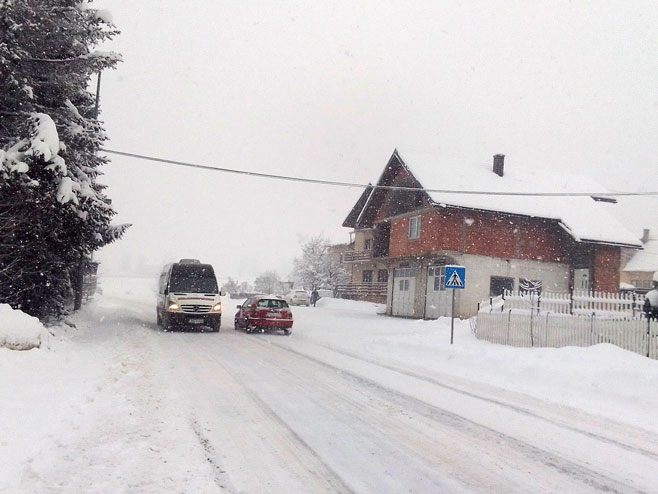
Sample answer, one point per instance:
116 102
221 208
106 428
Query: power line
363 186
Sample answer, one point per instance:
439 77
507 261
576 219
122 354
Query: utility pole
82 264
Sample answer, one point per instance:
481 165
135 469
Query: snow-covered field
353 401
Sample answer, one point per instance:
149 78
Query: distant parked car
297 297
325 293
264 313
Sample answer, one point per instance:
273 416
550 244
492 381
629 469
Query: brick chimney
645 236
499 164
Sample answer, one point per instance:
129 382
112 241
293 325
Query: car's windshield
272 303
193 279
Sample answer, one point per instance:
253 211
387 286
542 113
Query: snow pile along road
18 331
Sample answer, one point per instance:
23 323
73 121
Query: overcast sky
329 90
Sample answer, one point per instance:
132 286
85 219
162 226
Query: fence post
591 329
546 331
509 317
532 339
648 336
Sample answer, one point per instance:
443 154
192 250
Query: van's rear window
191 278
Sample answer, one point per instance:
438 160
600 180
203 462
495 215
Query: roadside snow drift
18 331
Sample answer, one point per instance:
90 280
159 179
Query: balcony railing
361 289
354 256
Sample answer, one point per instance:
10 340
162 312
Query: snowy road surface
349 403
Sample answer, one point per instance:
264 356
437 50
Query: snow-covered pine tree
53 212
317 268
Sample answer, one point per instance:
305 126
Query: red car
263 313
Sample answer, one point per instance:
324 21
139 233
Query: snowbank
18 331
350 305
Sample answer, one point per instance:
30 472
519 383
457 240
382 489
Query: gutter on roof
470 208
613 244
598 242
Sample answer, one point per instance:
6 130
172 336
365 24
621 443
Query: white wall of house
360 237
479 270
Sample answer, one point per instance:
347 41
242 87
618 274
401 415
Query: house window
499 284
368 244
404 285
414 227
382 276
642 284
367 276
439 274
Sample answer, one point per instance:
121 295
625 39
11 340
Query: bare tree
317 268
268 282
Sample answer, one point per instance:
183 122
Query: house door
438 302
404 290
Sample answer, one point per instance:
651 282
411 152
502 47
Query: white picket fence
526 328
581 302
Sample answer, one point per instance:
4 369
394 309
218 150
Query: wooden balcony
355 256
361 291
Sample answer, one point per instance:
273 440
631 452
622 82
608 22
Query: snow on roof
645 260
584 218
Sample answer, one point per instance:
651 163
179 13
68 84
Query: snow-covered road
351 402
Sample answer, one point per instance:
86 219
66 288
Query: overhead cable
363 186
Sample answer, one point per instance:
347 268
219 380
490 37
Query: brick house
638 272
403 238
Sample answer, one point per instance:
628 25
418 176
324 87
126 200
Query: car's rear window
272 303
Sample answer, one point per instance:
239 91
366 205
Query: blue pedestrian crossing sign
455 277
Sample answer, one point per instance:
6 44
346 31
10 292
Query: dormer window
414 227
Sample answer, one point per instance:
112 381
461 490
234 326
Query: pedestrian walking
314 296
651 300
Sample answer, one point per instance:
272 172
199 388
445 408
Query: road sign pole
455 278
452 319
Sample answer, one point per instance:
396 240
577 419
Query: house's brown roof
585 219
350 221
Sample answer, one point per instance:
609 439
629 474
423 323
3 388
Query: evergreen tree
53 212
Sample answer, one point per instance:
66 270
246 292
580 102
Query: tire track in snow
282 446
515 408
554 461
220 476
